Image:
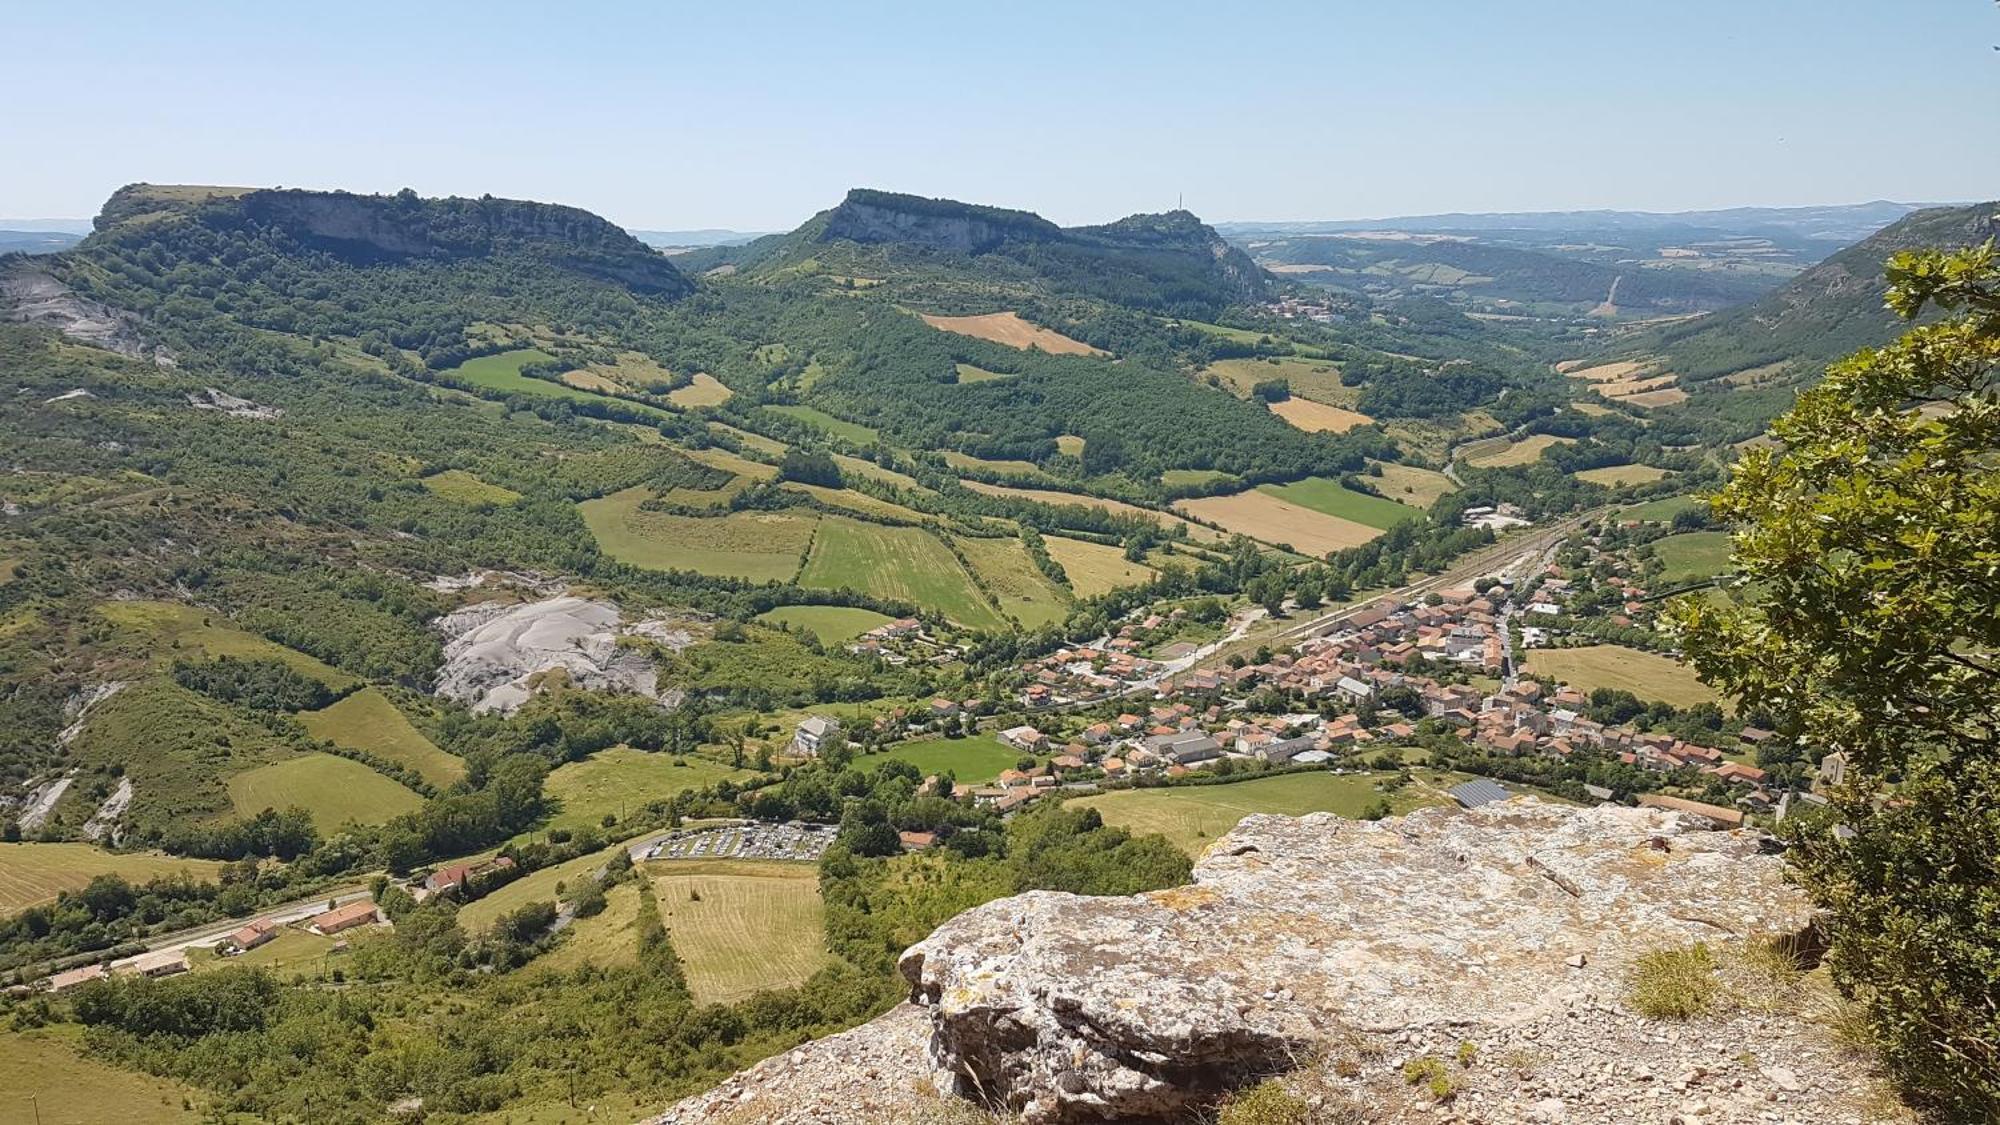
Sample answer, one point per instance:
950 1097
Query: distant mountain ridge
1170 260
1825 313
1839 222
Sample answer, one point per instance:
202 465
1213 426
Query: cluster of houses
904 641
1318 311
1087 673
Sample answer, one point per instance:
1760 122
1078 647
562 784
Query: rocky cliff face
1494 945
938 224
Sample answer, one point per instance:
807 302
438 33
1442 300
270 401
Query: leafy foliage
1873 536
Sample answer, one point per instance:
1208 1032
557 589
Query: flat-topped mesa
1296 935
870 216
375 228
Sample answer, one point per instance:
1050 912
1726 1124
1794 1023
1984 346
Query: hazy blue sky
754 115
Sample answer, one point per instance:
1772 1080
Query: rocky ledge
1488 947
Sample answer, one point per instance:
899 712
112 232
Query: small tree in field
1869 538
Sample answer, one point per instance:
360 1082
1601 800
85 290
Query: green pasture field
757 546
333 789
1194 816
973 760
1006 570
622 780
1328 497
832 624
461 487
368 721
904 563
1644 674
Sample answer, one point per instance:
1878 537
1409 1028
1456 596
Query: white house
814 735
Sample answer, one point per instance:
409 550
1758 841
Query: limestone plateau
1496 941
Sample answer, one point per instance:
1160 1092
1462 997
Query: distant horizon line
84 225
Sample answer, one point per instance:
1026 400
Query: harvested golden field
1501 453
1051 496
1008 328
1595 410
1005 569
635 370
1623 388
741 926
705 390
716 458
1316 417
855 466
1263 516
1603 372
1617 476
1408 484
34 873
757 443
1670 396
1317 379
585 379
1094 568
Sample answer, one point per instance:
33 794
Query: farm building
347 917
456 878
250 936
1722 818
162 963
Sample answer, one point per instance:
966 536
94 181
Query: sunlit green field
903 563
334 790
1192 817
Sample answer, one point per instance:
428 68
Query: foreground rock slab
1505 933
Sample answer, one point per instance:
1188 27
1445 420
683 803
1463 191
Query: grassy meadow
1408 484
1193 816
461 487
832 624
1331 498
333 789
622 780
756 546
1693 555
904 563
367 721
165 628
821 420
502 372
1005 569
1644 674
48 1078
973 760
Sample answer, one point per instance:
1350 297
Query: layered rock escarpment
1511 928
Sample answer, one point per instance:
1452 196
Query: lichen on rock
1506 927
